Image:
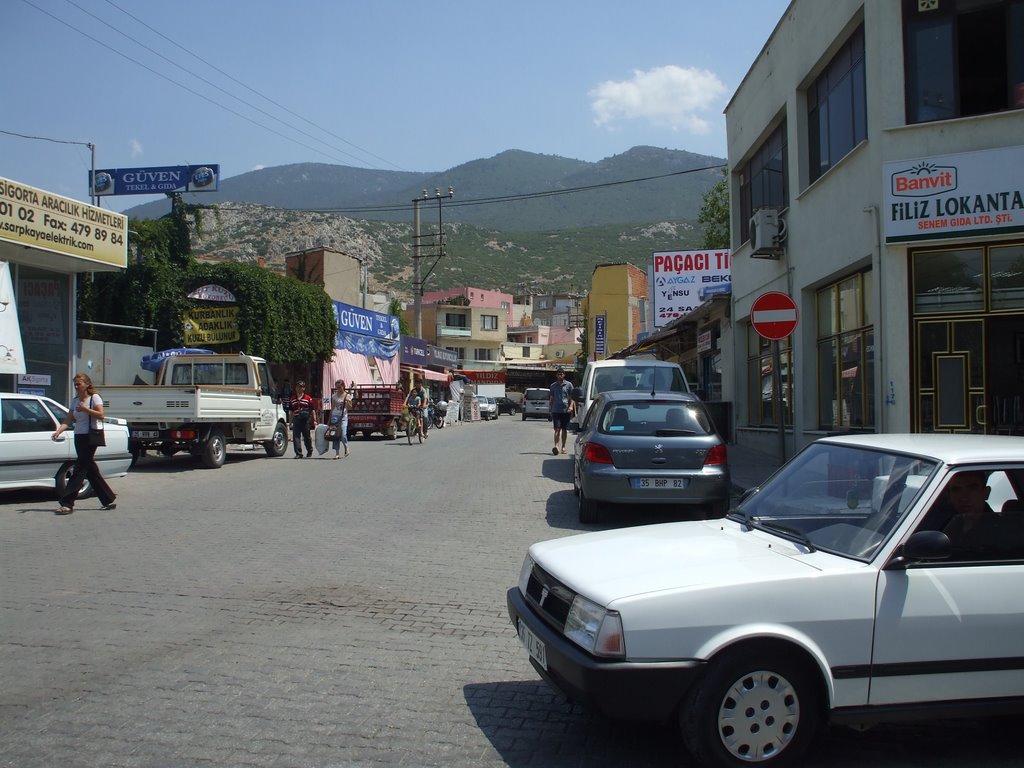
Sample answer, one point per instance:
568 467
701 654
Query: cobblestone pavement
321 613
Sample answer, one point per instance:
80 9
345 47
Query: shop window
760 375
846 398
1006 265
949 281
962 57
763 179
837 107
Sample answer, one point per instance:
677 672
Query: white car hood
612 565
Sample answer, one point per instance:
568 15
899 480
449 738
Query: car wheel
588 508
751 708
214 450
278 444
63 477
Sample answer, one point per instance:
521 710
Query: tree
279 318
395 308
714 214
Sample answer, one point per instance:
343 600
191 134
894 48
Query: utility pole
417 281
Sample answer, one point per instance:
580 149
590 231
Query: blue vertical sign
600 335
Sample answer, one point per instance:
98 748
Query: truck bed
181 404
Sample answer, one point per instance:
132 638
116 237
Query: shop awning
426 373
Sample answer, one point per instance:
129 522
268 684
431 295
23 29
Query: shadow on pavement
528 724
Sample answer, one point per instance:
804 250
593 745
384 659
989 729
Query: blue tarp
152 362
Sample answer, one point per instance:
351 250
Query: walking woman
86 410
340 402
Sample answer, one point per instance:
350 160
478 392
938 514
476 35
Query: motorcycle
439 410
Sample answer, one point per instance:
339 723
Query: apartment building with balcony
474 333
616 308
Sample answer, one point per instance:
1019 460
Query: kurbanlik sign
213 325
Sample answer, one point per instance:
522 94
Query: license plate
658 483
533 645
146 434
361 424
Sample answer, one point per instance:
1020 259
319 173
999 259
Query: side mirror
923 546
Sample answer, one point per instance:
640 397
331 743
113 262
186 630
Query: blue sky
416 86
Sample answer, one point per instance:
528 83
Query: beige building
875 151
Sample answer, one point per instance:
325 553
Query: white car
850 588
29 458
488 407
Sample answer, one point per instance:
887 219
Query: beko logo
924 180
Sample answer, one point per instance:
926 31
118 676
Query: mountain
516 218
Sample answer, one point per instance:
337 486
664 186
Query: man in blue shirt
561 406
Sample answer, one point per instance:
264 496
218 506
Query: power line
46 138
185 87
253 90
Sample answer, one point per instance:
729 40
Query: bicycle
413 424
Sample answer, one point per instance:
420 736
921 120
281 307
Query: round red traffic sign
774 315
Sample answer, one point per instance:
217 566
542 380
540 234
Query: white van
536 404
646 374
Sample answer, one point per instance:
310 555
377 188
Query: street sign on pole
774 315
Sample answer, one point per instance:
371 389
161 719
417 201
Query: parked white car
30 459
867 580
488 407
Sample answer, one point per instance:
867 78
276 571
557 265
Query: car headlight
524 574
595 629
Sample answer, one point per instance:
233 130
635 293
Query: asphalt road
323 613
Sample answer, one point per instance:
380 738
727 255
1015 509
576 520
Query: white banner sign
944 196
12 353
683 280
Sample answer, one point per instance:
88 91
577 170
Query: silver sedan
637 448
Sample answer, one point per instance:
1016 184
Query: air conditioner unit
764 234
559 353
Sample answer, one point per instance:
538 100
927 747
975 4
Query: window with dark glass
963 57
846 351
837 107
763 179
761 380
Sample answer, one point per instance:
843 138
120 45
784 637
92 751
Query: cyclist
414 401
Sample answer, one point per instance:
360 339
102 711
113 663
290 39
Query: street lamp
417 282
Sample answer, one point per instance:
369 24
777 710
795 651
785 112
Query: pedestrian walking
562 407
85 415
340 402
303 413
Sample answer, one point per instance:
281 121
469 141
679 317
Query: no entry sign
774 315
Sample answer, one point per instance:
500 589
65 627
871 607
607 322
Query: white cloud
669 97
136 147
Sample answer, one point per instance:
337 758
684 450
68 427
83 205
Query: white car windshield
837 498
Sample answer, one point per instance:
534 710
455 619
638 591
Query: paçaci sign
166 179
945 196
683 280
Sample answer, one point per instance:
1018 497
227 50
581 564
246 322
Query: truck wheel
63 477
758 707
278 444
214 450
137 452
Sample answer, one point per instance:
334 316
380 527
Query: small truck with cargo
202 403
376 408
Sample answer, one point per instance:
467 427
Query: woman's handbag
97 437
331 433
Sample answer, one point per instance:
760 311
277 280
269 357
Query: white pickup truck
201 403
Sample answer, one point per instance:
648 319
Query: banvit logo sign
924 180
